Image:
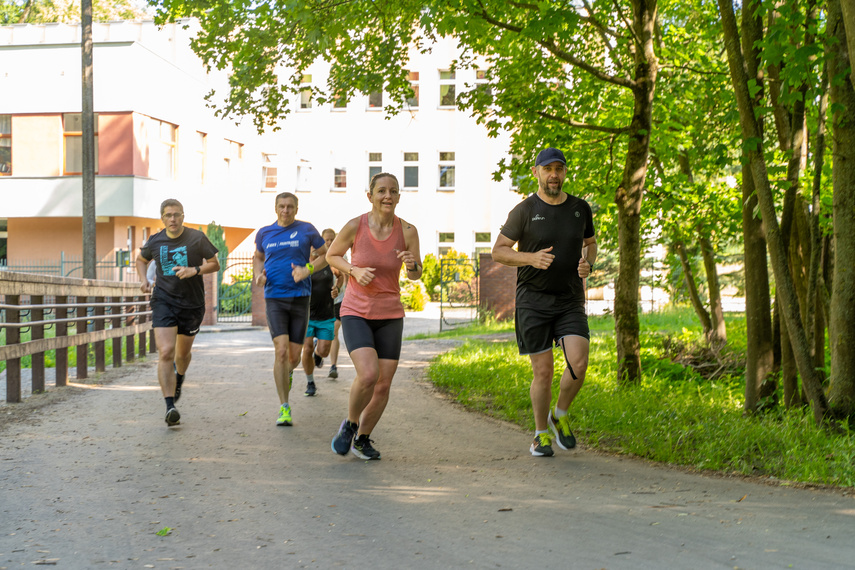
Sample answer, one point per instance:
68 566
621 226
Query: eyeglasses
176 216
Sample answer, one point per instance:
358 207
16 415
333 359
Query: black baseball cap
548 156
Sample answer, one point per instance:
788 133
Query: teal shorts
322 330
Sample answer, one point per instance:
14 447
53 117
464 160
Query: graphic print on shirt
175 258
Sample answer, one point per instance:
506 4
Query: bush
431 276
413 295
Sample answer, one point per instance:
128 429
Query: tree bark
848 16
841 393
718 332
754 145
629 194
692 287
759 357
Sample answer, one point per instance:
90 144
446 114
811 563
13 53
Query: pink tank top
381 299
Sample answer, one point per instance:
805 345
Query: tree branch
593 21
585 126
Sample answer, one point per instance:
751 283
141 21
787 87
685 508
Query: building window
446 171
201 142
232 160
413 100
306 92
411 171
375 100
482 82
269 179
339 102
374 165
340 178
483 243
482 237
447 93
72 127
163 151
445 237
5 145
304 177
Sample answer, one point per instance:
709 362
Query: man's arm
504 253
142 270
589 256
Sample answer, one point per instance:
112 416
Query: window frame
450 82
305 101
66 135
445 164
413 78
268 166
406 166
4 136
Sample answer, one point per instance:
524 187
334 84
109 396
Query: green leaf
164 531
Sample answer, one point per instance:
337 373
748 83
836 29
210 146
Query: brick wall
498 287
211 301
259 306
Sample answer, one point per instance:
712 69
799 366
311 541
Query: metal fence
72 266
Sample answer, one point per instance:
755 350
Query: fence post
37 332
116 323
142 335
130 353
100 352
13 366
80 325
61 353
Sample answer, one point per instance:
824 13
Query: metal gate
234 302
459 278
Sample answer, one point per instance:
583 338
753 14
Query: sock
559 413
310 377
179 378
170 403
538 432
286 405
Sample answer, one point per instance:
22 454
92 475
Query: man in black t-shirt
181 256
321 318
556 252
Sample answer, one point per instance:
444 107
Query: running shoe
542 446
333 372
561 428
178 384
342 440
311 389
363 449
173 418
284 416
319 362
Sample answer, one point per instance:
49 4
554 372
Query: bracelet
350 271
591 265
310 267
415 268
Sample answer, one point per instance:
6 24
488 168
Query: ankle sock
179 378
310 377
170 403
559 413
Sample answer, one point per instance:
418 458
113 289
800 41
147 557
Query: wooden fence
94 310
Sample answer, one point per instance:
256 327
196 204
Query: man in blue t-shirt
281 265
556 251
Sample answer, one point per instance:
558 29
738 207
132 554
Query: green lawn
674 416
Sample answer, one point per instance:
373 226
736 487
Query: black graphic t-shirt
189 249
321 305
536 225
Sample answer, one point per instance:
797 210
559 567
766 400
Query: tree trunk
629 194
694 297
718 333
841 393
848 14
753 142
814 301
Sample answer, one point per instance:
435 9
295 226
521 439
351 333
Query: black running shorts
164 315
383 335
539 329
289 317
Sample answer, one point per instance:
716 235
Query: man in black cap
556 252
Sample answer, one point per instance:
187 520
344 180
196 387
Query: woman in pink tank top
372 316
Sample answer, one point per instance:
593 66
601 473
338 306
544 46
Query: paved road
88 477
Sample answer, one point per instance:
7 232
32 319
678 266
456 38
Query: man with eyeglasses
181 255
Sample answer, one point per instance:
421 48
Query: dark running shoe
561 428
342 440
173 418
319 362
311 389
333 372
542 446
363 449
178 384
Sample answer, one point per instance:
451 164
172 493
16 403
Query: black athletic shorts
383 335
165 315
288 316
538 329
337 311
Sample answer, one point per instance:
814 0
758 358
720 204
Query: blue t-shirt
282 247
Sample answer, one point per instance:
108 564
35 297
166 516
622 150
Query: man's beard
552 193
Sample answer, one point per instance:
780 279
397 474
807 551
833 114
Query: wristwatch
198 270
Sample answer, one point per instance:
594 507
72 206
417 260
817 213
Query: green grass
673 416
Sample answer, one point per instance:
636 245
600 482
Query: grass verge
674 415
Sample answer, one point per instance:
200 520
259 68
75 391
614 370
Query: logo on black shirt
537 217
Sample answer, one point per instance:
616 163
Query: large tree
68 11
578 75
